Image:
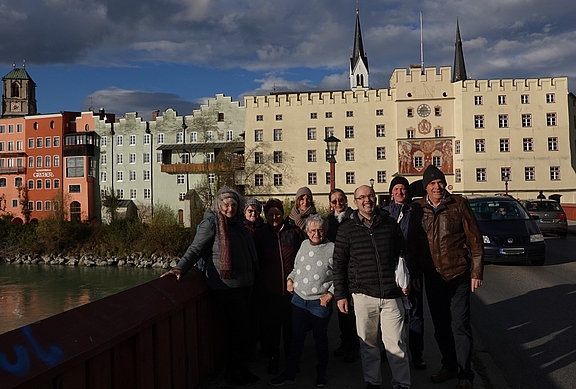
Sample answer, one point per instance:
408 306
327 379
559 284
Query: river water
29 293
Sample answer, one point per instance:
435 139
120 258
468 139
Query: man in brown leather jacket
453 266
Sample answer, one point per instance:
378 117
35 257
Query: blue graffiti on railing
21 367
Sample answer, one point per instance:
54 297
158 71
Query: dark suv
509 232
551 217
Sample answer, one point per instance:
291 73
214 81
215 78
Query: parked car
552 218
510 234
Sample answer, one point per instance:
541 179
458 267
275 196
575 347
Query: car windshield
498 210
547 206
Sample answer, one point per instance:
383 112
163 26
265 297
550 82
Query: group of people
282 274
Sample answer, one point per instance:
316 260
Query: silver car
551 217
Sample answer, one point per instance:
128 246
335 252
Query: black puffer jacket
365 258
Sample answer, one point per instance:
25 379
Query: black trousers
277 323
449 303
416 327
233 315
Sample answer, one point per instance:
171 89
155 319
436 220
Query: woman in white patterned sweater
312 288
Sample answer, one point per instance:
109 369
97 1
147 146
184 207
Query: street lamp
372 183
149 132
331 151
506 178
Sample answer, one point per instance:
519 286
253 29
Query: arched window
75 210
87 127
15 89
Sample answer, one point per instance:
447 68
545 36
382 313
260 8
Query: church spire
358 60
459 70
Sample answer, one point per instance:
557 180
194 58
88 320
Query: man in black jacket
365 256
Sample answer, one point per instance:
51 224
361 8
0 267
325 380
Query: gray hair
227 193
317 218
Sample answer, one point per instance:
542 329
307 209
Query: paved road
526 316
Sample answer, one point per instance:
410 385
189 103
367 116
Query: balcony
180 168
78 150
13 170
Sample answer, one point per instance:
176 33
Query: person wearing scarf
226 246
303 207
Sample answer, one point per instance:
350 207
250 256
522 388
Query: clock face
423 110
15 106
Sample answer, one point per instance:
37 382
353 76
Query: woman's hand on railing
173 273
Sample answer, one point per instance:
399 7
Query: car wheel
538 262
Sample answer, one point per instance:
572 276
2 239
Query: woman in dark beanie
303 207
228 249
277 244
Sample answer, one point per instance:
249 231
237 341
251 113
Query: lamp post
506 178
184 127
149 132
372 183
331 151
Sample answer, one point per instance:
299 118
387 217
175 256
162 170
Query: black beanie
430 174
399 180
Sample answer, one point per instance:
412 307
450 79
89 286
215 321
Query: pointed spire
359 71
459 70
358 51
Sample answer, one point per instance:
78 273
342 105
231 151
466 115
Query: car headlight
486 239
536 238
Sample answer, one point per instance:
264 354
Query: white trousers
372 312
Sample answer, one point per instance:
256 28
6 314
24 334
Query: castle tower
18 93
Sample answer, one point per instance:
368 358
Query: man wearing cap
401 210
453 268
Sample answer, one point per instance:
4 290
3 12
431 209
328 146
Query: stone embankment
88 260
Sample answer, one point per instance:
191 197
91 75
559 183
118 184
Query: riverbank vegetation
161 236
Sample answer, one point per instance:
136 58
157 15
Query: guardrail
156 335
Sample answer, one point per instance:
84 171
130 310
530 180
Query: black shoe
321 381
274 366
252 378
282 379
443 375
372 386
352 356
238 379
341 350
418 362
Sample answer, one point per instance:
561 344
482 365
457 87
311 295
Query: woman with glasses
349 343
310 283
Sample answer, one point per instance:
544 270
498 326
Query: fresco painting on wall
415 155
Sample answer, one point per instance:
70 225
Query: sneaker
282 379
274 366
418 362
321 381
443 375
464 384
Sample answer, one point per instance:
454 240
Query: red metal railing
156 335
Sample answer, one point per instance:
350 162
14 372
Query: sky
145 55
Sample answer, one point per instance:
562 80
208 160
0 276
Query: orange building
46 160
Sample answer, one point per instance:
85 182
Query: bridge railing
156 335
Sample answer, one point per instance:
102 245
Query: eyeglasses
318 231
338 201
362 198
